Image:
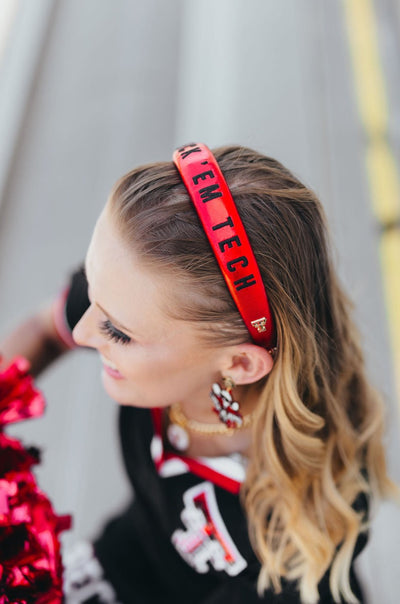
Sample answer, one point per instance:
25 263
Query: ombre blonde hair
317 439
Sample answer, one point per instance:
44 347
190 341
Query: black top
184 537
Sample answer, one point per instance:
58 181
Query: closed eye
114 334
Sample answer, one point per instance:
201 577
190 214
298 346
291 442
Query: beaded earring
224 406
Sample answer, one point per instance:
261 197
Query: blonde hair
317 441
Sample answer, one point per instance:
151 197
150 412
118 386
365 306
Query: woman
262 494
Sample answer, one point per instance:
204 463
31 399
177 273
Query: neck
204 442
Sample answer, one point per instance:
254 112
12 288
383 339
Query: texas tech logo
206 540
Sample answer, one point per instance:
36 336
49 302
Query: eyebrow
116 323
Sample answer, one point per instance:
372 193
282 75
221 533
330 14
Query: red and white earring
224 406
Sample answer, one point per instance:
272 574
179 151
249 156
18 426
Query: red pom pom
30 563
18 397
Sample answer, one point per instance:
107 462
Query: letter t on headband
218 214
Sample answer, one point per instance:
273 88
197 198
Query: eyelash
112 333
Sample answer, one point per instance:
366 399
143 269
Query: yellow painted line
369 81
384 182
383 176
390 259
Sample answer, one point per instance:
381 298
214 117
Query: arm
46 335
36 339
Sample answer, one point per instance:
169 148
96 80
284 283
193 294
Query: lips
111 369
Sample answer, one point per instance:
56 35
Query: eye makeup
112 333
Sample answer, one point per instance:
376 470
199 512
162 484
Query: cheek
162 368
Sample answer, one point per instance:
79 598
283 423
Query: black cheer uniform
184 537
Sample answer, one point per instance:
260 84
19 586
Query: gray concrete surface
121 83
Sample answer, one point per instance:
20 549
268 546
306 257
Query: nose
85 331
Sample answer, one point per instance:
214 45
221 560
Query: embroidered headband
218 214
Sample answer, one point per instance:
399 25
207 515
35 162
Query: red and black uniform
184 537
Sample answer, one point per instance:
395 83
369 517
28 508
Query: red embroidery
206 540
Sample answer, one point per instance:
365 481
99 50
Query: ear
248 363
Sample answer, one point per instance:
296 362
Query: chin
112 387
115 390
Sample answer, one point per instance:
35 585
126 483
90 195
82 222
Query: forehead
121 283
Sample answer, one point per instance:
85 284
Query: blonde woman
211 274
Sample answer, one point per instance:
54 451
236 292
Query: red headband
217 211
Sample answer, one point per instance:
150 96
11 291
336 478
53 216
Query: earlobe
249 363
